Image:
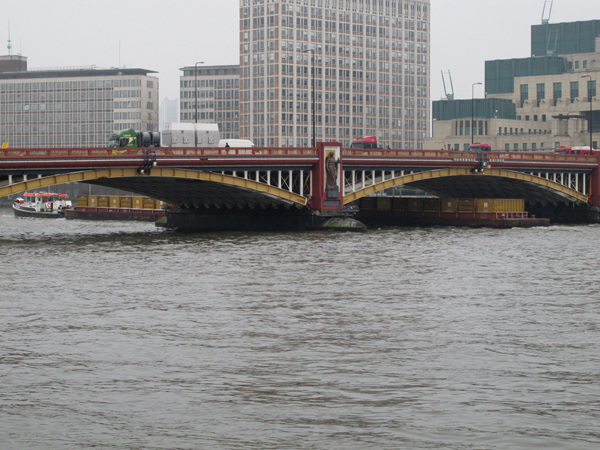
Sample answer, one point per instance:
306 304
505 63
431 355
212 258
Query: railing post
595 185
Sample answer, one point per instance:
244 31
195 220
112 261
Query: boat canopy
43 195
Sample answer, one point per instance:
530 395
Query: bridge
319 181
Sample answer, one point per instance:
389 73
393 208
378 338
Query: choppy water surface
119 335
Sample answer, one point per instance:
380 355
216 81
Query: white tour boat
45 205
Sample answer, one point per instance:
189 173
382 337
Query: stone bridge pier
324 209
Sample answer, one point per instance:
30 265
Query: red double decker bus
479 147
577 151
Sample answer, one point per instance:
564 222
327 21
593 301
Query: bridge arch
178 186
493 183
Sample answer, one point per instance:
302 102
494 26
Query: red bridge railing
457 155
35 153
159 151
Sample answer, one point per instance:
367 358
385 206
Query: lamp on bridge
312 71
590 98
196 99
473 110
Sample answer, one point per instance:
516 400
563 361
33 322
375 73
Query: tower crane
546 15
449 96
551 31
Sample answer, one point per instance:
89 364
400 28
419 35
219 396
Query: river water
119 335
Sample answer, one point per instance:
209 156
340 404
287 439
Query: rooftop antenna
9 46
449 96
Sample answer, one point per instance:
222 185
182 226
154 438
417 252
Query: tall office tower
334 70
73 107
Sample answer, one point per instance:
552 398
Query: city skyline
120 40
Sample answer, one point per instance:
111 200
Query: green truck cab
132 138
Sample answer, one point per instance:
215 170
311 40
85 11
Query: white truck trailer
190 135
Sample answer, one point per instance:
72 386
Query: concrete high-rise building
366 62
211 92
73 107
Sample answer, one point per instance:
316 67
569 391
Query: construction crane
552 31
449 96
546 16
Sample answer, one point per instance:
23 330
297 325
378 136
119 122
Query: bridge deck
383 158
289 169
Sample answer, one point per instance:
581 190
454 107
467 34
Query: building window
574 90
557 91
591 86
524 94
541 93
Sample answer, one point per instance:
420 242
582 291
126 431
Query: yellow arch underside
406 179
90 175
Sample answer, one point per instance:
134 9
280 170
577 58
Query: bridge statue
331 169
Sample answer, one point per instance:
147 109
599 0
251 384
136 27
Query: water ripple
119 335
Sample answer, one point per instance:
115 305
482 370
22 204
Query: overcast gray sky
165 35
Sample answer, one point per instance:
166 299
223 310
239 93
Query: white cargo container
190 135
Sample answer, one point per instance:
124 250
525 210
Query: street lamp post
473 111
196 101
590 120
312 71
